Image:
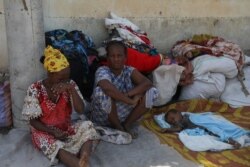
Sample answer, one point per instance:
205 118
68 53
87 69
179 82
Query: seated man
214 125
119 97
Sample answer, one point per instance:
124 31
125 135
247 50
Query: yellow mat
228 158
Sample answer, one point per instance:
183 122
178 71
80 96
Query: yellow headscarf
54 60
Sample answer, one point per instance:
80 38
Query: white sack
166 79
206 64
247 60
210 88
233 94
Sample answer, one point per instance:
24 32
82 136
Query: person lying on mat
119 96
48 106
213 124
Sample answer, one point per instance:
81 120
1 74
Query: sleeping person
206 123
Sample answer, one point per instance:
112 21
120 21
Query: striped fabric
228 158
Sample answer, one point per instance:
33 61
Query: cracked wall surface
165 21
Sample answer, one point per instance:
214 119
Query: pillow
160 120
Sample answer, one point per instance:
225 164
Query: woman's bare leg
68 158
138 111
85 153
113 117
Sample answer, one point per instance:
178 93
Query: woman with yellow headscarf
48 106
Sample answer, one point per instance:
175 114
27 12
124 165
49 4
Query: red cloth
143 36
143 62
56 115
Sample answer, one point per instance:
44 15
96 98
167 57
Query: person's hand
60 135
62 87
136 99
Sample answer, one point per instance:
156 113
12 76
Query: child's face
174 118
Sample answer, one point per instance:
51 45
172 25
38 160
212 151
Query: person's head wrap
54 60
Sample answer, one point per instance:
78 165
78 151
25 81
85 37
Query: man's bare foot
84 160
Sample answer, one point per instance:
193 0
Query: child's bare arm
171 130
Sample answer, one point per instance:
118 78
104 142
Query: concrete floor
145 151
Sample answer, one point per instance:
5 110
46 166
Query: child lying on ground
214 125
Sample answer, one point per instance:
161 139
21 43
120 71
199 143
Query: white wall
147 8
3 42
165 21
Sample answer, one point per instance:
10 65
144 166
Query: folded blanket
198 140
218 125
222 128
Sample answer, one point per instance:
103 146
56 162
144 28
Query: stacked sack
233 94
5 102
214 61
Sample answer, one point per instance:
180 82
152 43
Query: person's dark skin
116 58
174 118
55 84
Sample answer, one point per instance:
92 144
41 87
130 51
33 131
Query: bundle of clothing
79 49
5 101
141 54
215 61
207 44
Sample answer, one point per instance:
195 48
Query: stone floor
145 151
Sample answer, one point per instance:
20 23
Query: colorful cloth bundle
141 53
5 103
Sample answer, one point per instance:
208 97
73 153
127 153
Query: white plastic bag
166 79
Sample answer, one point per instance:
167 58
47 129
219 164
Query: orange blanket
228 158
